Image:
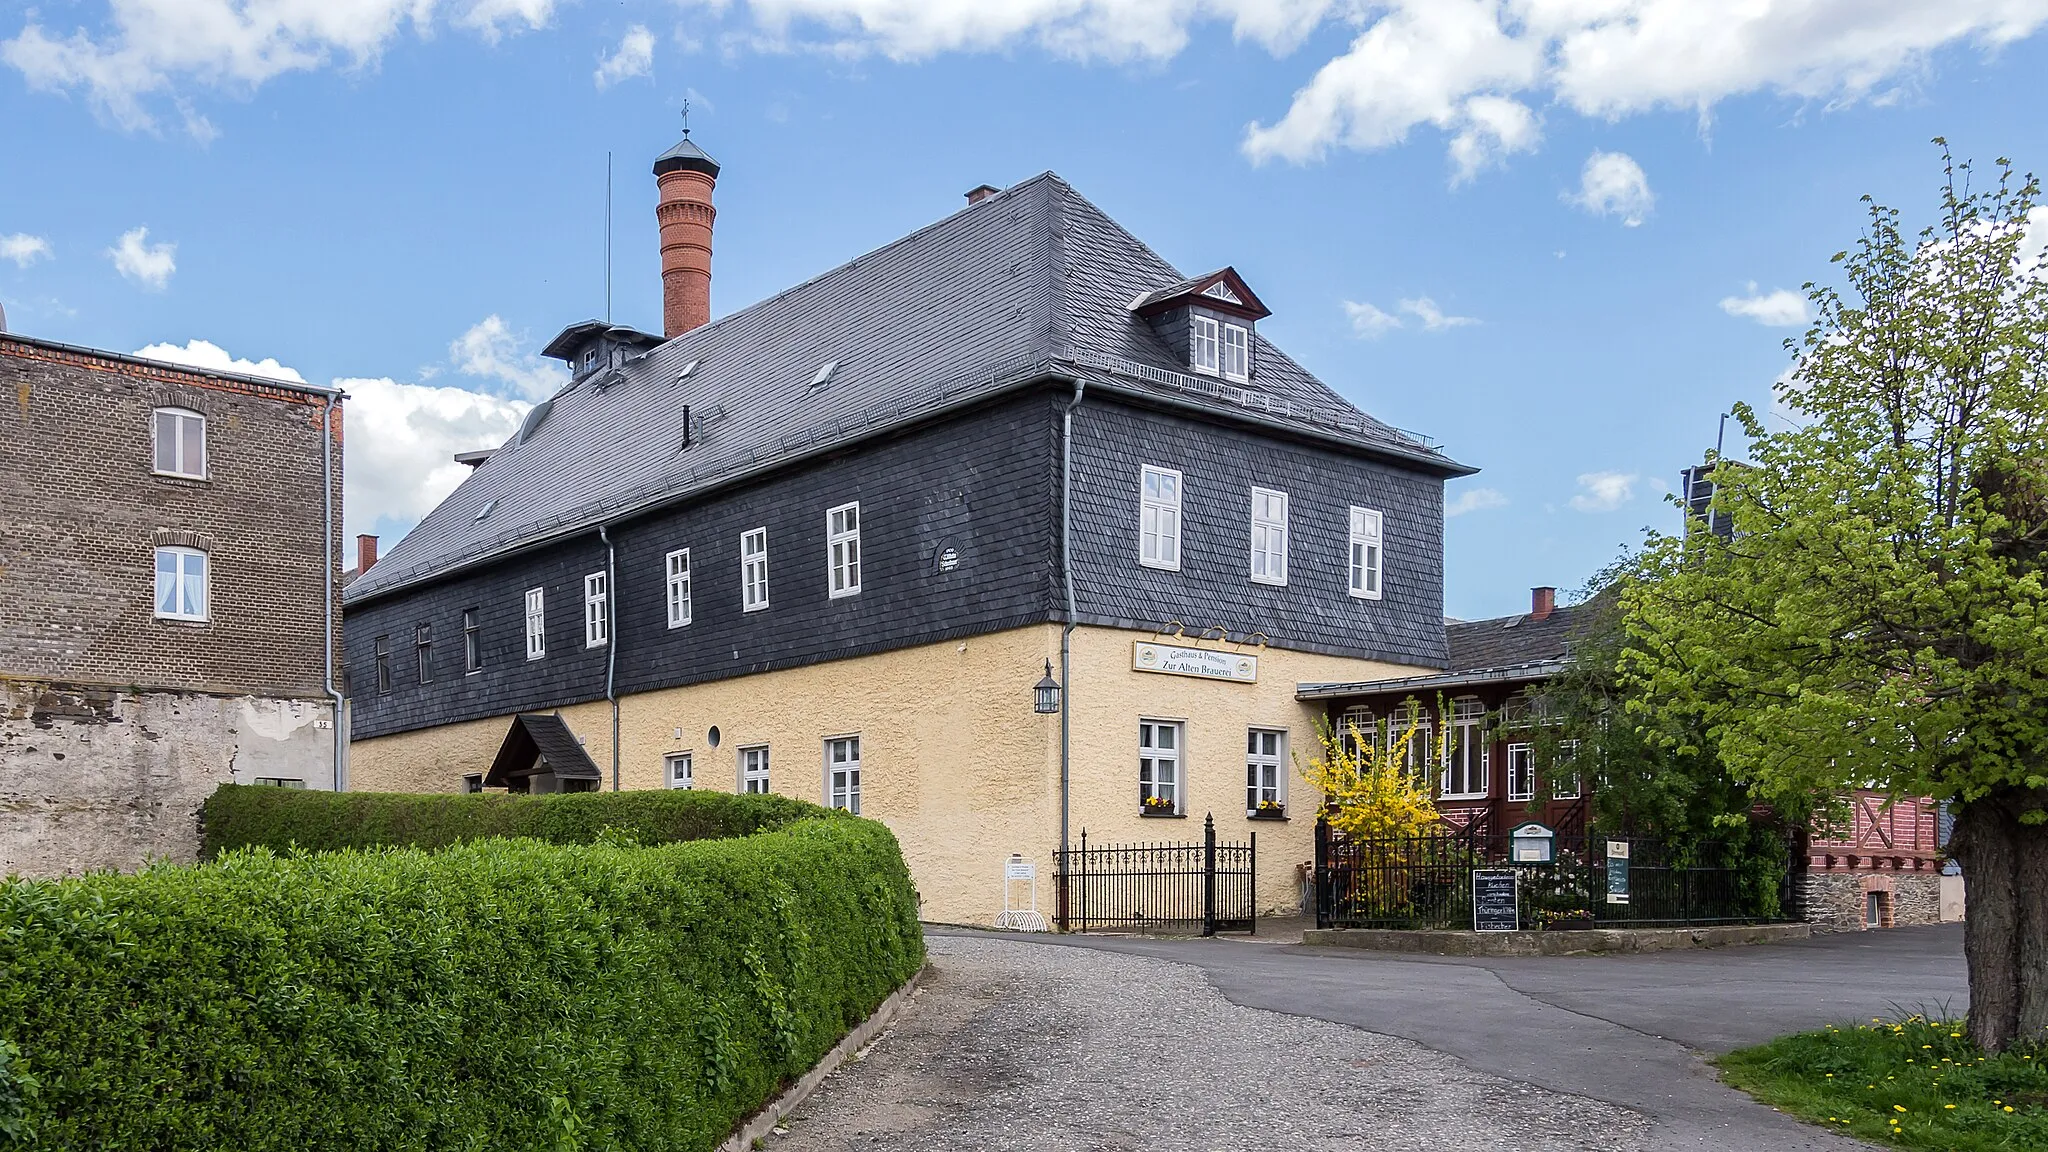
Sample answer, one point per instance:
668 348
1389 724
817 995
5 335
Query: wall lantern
1046 692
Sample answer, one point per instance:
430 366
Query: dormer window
1202 345
1208 321
1237 353
589 358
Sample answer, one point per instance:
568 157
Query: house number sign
1202 663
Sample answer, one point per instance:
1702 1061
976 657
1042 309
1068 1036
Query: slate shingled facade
933 382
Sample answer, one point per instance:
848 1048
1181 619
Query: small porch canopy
539 745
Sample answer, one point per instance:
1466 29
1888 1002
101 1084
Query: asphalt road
1624 1030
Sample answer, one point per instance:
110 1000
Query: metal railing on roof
1255 400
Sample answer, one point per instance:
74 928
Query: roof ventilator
533 420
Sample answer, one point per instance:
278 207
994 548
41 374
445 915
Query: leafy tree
1878 615
1652 772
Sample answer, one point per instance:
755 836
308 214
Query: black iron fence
1592 881
1205 887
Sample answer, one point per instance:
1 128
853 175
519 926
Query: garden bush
240 816
499 994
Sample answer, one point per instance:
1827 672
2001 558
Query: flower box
1161 811
1266 814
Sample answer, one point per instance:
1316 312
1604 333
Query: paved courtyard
1101 1044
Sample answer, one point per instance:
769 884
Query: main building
829 545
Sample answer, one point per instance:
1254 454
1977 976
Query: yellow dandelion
1898 1107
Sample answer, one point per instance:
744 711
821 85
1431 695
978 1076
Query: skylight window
687 369
824 373
486 509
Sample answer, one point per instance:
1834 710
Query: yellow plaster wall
954 760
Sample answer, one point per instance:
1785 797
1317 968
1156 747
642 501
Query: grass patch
1913 1082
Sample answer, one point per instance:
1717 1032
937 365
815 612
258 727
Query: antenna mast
607 238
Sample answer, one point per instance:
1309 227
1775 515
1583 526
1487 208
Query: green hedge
494 995
241 816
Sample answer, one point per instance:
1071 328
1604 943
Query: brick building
168 604
827 546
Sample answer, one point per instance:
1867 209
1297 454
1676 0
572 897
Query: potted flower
1156 806
1268 810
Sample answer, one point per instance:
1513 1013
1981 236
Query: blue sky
1550 233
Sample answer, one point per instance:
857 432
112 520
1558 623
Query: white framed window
1357 728
677 771
423 651
754 570
1237 352
1202 345
1365 553
1265 751
536 623
383 656
842 548
1419 757
180 443
1566 787
679 588
472 643
181 584
1269 536
1465 759
597 623
1159 756
1521 772
1159 517
842 773
754 768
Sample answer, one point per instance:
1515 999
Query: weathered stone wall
96 778
1839 899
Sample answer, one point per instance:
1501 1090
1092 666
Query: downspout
611 643
1067 633
327 593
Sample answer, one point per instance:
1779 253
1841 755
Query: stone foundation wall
1839 899
96 777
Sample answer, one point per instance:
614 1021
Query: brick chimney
366 552
685 176
1542 602
977 195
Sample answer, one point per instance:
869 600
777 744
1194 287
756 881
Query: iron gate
1177 888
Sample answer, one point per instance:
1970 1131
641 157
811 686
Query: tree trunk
2005 930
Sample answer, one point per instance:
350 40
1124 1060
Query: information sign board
1493 900
1617 871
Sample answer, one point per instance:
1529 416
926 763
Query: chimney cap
686 157
982 192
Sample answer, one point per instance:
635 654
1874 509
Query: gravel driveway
1012 1045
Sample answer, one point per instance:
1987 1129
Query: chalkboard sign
1493 900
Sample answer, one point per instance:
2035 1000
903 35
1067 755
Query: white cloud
207 354
1605 491
149 265
400 439
1425 62
635 57
24 249
148 51
1476 500
1613 184
1781 308
1494 128
1078 29
490 350
1432 317
1368 321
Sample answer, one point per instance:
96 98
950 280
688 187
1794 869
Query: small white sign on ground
1017 870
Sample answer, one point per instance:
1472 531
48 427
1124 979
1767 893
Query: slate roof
1505 649
1029 284
545 736
1515 641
